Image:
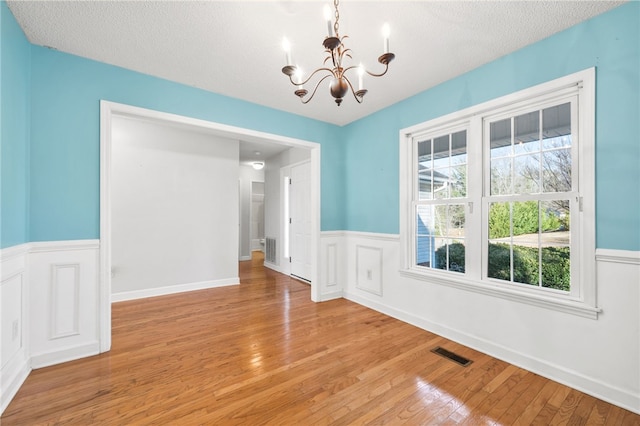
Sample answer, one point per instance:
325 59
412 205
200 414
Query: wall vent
271 250
450 355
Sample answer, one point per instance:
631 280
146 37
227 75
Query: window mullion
473 207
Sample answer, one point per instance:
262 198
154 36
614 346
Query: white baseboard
331 296
274 267
244 258
575 380
61 355
19 369
180 288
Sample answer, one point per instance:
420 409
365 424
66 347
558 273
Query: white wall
174 204
274 215
257 215
247 175
598 356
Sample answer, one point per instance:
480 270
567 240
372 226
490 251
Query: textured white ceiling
234 47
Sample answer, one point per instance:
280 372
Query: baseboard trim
603 391
10 386
180 288
70 353
274 267
331 296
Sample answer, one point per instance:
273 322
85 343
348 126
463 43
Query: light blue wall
14 131
65 156
610 42
50 189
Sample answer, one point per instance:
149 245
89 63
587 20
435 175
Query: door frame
109 109
291 235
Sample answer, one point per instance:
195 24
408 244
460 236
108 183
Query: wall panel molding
618 256
369 269
65 300
14 322
63 282
331 263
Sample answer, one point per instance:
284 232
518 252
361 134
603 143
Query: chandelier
336 51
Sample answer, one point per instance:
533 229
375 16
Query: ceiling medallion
336 51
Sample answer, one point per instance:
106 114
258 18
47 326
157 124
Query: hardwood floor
263 353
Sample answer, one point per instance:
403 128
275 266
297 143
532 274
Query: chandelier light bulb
386 32
360 76
286 46
299 76
327 17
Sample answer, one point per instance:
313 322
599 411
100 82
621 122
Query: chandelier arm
353 92
350 68
386 68
311 76
316 88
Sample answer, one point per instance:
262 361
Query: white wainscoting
332 265
63 283
597 356
49 298
14 293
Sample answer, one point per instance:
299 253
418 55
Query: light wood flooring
263 353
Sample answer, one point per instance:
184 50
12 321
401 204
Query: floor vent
270 256
453 357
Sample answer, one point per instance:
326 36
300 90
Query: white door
300 220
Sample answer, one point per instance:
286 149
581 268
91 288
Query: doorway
108 110
257 216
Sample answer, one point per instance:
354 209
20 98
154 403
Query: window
499 198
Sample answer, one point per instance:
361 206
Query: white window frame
581 300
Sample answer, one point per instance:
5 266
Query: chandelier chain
336 25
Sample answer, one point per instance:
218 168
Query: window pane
456 220
499 261
526 256
440 236
440 221
529 243
424 238
555 244
527 133
456 255
441 253
556 123
424 170
501 176
499 220
437 178
459 148
500 135
458 182
441 183
527 174
556 170
441 151
450 255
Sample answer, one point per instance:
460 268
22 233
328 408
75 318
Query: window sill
565 305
